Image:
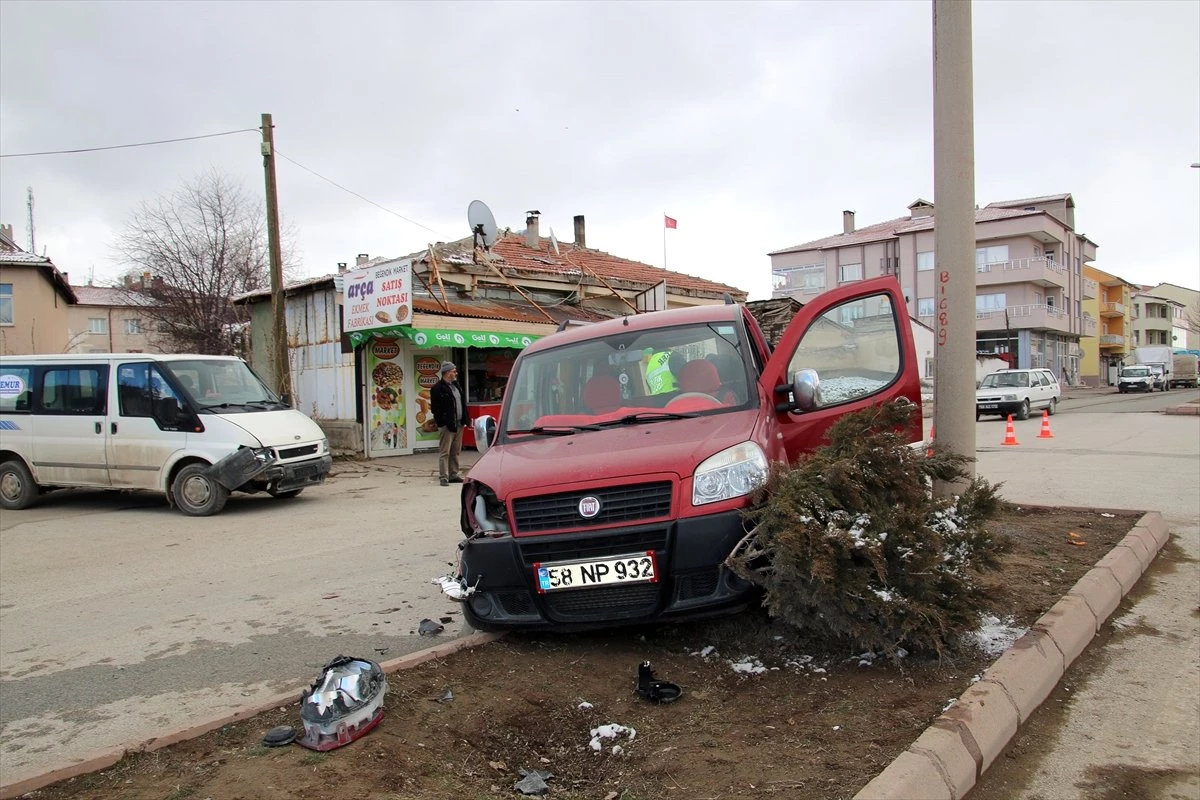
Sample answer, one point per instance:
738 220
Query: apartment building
1190 322
1113 310
109 319
1158 320
1029 259
34 301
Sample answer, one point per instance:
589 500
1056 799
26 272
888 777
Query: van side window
74 390
140 387
854 347
16 387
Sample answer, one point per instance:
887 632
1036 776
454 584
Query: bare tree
201 245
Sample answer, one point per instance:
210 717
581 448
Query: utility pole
279 345
29 204
954 233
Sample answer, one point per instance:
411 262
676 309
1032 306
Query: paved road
1133 726
121 619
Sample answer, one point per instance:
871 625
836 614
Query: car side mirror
806 390
485 432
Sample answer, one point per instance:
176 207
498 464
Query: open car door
858 341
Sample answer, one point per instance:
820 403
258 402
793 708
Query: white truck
1158 359
1184 369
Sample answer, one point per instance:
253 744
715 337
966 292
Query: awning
439 337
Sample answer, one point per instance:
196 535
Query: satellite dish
482 223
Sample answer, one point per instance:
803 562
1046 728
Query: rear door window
76 390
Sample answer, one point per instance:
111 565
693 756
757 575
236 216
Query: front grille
297 452
516 603
700 584
609 602
577 547
618 504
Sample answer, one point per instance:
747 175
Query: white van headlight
1010 398
733 472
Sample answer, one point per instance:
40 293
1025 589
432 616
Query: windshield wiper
556 430
648 416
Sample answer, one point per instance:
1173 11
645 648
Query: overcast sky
754 125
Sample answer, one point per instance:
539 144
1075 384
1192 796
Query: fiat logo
589 507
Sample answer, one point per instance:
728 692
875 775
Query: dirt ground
765 712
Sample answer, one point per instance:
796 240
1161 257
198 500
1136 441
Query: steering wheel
693 396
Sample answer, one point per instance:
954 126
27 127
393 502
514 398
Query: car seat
699 376
601 393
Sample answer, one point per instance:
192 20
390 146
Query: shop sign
377 297
430 337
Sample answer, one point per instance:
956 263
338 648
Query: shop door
423 431
386 421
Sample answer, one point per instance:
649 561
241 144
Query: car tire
285 495
197 493
1023 411
17 487
1052 406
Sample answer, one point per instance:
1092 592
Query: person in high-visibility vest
660 377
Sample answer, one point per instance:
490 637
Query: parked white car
1017 392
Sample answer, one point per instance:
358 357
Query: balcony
1088 328
1040 271
1113 309
1028 317
1091 289
1112 340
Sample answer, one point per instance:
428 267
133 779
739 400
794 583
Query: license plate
632 568
989 406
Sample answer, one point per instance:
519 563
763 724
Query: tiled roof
1029 201
988 214
57 279
109 296
21 257
871 233
571 260
512 311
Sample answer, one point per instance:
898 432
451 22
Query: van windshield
1135 372
640 377
218 384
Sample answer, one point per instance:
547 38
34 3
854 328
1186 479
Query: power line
351 191
122 146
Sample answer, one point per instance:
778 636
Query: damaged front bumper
252 470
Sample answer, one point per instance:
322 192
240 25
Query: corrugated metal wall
322 375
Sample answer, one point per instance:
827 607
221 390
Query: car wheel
287 495
1053 407
17 488
197 493
1023 411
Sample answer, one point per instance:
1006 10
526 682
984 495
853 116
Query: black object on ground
280 736
654 690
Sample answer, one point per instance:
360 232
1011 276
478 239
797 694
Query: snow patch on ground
996 635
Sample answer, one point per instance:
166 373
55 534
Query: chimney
533 238
341 267
847 222
7 232
361 259
145 280
580 236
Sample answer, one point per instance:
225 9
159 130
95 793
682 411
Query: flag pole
664 227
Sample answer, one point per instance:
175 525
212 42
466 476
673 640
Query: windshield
1005 380
219 383
639 377
1135 372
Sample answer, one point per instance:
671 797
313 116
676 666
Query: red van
611 489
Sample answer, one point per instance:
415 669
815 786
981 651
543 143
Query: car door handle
97 427
113 428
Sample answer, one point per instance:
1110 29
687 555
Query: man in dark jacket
449 407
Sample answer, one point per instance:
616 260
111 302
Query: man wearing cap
449 407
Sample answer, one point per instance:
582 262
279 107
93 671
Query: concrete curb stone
105 759
989 713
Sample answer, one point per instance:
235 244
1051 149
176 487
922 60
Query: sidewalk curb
986 717
106 758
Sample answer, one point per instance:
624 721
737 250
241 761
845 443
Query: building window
990 302
97 325
850 272
133 327
925 261
6 304
996 254
925 307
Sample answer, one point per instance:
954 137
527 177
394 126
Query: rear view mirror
806 390
485 432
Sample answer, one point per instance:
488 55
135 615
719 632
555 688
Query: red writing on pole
943 306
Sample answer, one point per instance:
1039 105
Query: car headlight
1010 398
733 472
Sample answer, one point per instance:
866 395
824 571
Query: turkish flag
670 223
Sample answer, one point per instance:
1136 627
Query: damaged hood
277 428
620 453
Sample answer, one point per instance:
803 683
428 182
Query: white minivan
194 427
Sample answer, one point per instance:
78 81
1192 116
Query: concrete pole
954 231
279 346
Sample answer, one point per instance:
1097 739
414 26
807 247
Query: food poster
425 373
387 433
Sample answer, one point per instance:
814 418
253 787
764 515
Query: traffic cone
929 448
1010 435
1045 434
